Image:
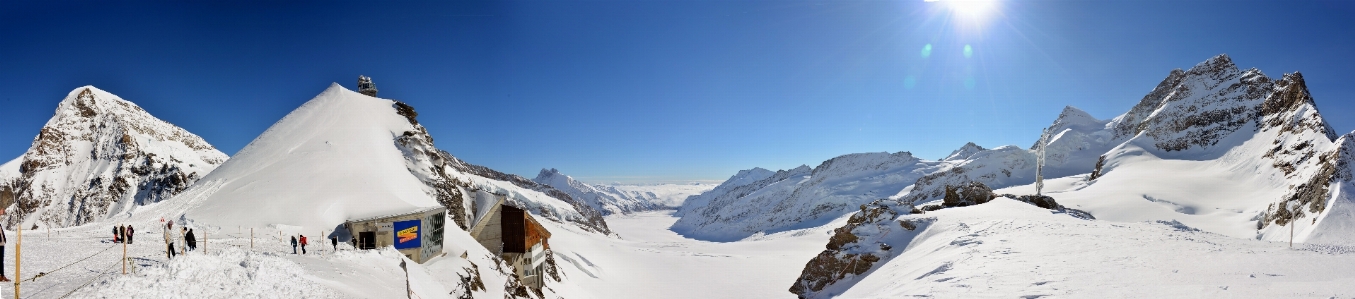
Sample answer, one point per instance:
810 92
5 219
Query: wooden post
251 238
124 258
19 235
1291 234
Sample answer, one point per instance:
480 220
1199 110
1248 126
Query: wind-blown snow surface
99 156
623 199
1013 249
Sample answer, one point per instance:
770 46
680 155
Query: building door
367 240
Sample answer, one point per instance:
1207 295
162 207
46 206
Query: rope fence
217 240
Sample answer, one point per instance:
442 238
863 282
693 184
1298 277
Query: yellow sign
408 234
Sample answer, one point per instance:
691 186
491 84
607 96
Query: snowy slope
340 156
623 199
802 197
740 179
608 202
98 156
1218 153
1011 249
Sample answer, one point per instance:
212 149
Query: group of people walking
123 234
333 241
190 241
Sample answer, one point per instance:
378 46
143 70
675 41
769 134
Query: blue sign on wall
407 234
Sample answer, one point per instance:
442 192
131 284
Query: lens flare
927 51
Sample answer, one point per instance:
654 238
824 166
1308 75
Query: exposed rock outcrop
858 247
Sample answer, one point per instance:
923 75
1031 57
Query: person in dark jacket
116 238
130 233
303 244
192 240
334 241
293 244
3 239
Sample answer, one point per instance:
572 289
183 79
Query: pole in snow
1039 163
19 234
251 238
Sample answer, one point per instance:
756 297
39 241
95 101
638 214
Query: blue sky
650 91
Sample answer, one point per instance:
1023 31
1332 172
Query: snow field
1007 248
651 261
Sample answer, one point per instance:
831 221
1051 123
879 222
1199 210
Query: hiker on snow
293 244
2 250
192 241
303 244
130 232
116 237
334 241
168 241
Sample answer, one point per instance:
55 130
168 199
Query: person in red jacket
303 244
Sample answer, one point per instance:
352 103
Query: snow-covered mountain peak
101 155
1219 67
964 152
1076 119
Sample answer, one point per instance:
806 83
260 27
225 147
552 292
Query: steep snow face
99 156
606 201
744 177
802 197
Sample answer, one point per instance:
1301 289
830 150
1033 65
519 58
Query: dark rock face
967 195
1096 173
431 163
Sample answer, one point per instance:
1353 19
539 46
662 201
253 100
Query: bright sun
974 10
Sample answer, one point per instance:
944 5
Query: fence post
251 238
19 234
124 258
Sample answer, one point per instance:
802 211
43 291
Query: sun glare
973 10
